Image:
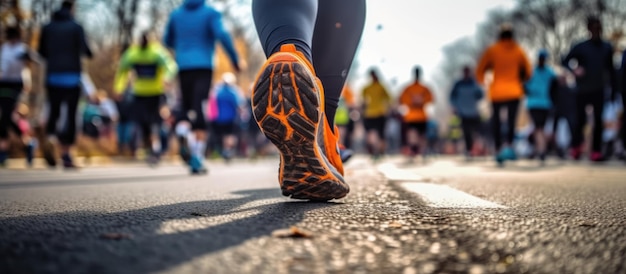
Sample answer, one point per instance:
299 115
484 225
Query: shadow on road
91 181
134 240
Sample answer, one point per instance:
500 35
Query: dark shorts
539 117
377 124
195 85
224 128
419 126
146 109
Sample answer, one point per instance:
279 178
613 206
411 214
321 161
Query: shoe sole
286 107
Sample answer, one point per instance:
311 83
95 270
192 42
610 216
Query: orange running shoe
287 101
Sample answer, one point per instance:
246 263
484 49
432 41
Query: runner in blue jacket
192 32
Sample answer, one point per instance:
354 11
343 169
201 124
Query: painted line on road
434 195
392 173
442 196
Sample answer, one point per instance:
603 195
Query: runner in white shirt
14 79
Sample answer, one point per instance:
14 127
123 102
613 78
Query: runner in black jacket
62 44
595 66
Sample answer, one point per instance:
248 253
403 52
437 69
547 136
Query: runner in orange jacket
511 68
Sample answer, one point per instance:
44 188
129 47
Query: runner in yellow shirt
376 105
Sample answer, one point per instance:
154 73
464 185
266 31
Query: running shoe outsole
286 106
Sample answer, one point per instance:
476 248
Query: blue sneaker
196 166
509 154
505 154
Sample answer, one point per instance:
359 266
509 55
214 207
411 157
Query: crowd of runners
164 98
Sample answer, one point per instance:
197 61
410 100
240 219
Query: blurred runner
510 67
229 103
541 91
192 33
464 98
594 58
14 80
376 108
62 44
310 45
152 68
413 101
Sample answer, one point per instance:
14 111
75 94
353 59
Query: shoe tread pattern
286 106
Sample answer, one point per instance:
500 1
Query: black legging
9 93
57 96
147 118
596 100
496 121
470 127
326 31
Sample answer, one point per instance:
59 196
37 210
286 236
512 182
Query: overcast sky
413 32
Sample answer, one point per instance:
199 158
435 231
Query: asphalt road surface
443 216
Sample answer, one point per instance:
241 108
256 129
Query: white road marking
392 173
434 195
442 196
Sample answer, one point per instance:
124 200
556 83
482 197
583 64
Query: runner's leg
337 33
